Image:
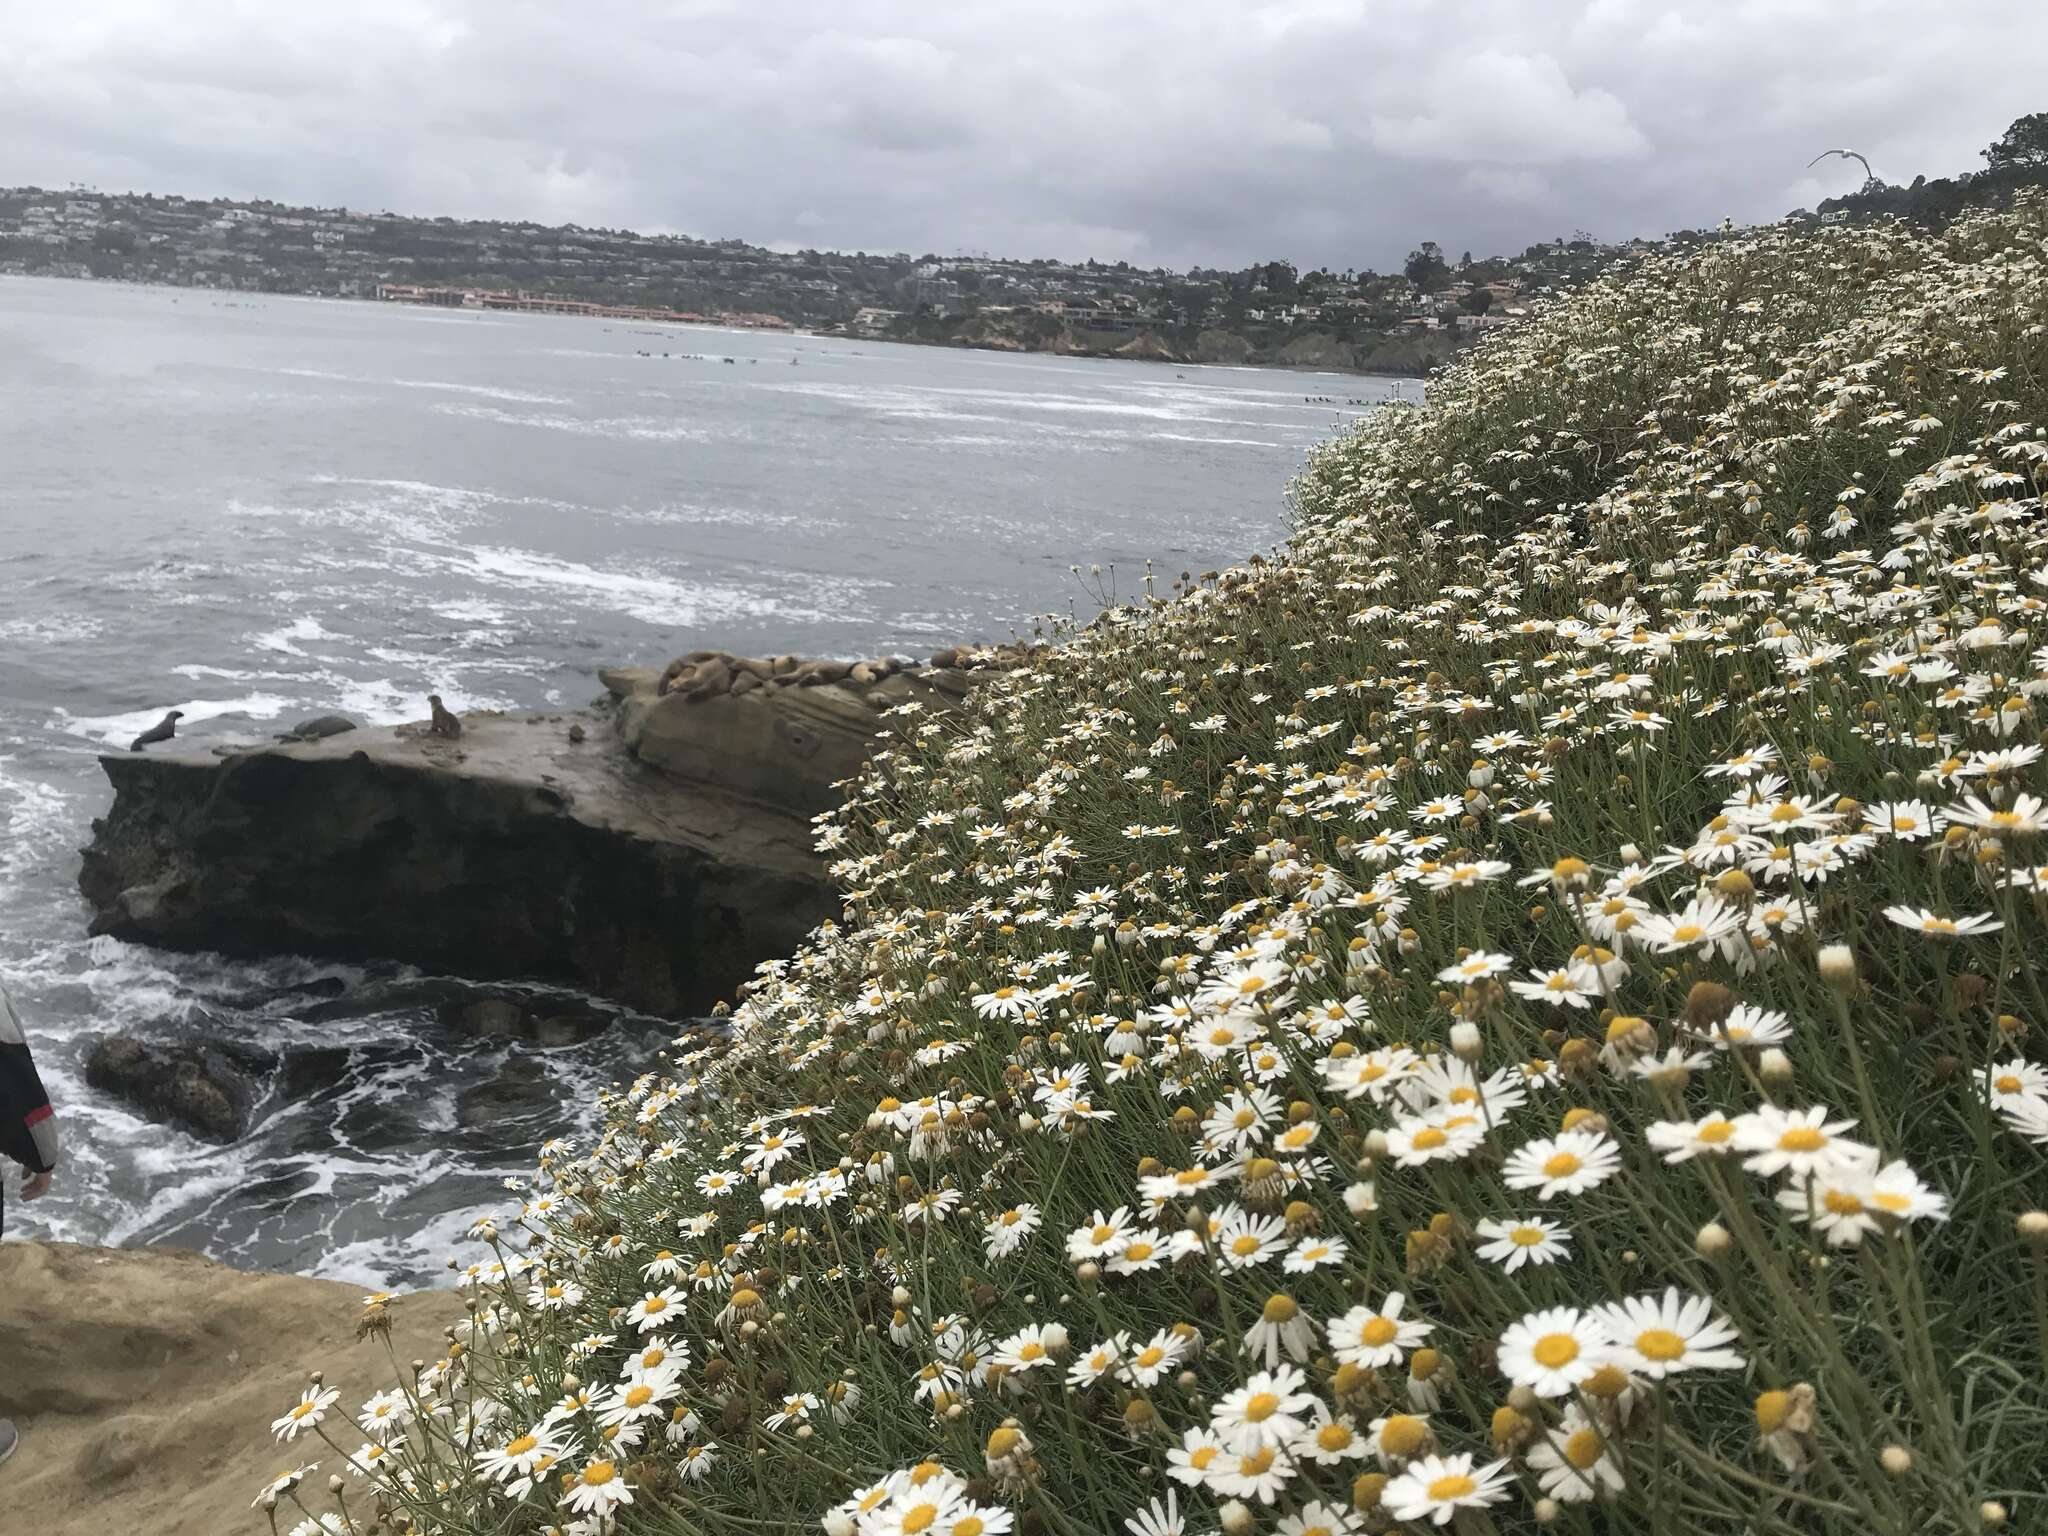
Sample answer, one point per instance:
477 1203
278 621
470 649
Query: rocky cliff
145 1380
651 849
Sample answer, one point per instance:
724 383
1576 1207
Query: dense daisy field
1517 1009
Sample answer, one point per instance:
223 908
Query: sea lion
577 733
318 727
445 724
163 730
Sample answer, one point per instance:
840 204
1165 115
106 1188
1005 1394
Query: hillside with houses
1266 313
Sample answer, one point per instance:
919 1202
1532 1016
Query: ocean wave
119 729
486 391
305 627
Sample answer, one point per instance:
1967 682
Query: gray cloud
1160 131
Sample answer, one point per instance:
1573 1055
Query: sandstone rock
145 1380
784 746
622 681
196 1087
577 733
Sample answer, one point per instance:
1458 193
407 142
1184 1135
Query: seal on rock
163 730
317 727
445 724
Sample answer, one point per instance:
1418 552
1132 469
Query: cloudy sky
1159 131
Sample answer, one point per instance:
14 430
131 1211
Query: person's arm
28 1127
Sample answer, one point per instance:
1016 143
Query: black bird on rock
163 730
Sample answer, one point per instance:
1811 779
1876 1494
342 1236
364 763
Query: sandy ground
144 1382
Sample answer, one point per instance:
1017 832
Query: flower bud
2033 1228
1712 1241
1838 967
1465 1041
1896 1460
1235 1519
1774 1067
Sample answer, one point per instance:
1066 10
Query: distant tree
2024 147
1465 260
1477 302
1426 267
1279 276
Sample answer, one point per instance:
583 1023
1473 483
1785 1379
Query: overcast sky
1159 131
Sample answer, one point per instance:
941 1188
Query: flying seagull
163 730
1846 154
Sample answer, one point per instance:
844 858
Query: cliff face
513 851
145 1380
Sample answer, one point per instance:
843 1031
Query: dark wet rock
207 1089
518 855
493 1018
520 1088
560 1029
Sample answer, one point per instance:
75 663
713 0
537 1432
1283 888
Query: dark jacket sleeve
28 1128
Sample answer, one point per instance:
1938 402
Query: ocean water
258 509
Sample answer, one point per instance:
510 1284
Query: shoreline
1401 371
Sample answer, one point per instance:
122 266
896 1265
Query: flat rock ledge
651 849
144 1381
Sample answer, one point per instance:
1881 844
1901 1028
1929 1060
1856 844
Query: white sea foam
659 429
486 391
120 729
305 627
51 629
653 600
381 701
33 818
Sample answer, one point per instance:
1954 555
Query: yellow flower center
598 1473
1456 1486
639 1396
920 1518
1245 1246
1561 1165
1378 1331
1801 1138
1261 1407
1333 1437
1527 1237
1555 1349
1149 1356
1429 1138
522 1445
1402 1434
1582 1448
1659 1344
2006 1082
1031 1351
1200 1457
